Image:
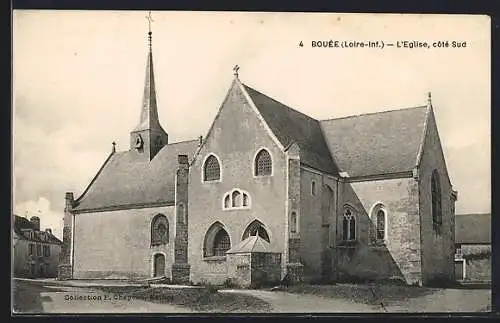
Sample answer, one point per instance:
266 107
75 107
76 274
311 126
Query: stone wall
438 249
317 224
65 270
399 254
235 137
478 269
292 264
117 244
265 268
238 269
181 267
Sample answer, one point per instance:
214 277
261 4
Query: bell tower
148 137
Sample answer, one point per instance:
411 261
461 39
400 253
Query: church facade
268 193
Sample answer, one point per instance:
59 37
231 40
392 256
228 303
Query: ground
51 296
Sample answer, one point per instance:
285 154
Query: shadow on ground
197 299
26 296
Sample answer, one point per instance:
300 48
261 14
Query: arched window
159 230
293 223
221 243
348 225
211 169
380 225
236 199
217 241
378 216
313 187
256 228
437 216
263 163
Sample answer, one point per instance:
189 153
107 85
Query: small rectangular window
46 251
313 188
38 250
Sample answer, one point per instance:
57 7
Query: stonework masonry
235 137
126 251
65 268
181 267
400 201
438 249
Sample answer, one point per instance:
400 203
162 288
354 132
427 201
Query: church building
268 193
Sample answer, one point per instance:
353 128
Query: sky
78 80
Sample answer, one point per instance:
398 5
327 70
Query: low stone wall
478 269
366 263
265 268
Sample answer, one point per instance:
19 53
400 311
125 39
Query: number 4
301 44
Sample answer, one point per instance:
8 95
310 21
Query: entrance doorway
159 265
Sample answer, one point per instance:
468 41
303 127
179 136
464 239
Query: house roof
251 244
473 228
21 224
290 126
128 179
376 143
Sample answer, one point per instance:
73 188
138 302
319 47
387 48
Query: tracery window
263 163
211 169
256 228
159 230
217 241
348 225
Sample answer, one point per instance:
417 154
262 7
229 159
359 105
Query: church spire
149 137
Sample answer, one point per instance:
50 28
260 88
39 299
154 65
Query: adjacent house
473 247
35 252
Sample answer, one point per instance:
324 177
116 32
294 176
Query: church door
159 265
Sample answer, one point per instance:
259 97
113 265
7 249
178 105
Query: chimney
200 141
70 200
183 160
48 230
35 222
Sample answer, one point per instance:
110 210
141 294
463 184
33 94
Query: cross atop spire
148 137
429 98
150 33
236 69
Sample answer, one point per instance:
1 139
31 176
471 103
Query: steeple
149 137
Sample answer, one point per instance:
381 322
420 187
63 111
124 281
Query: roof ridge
373 113
283 104
180 142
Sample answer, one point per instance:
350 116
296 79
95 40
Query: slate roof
251 244
376 143
473 228
127 178
290 125
21 223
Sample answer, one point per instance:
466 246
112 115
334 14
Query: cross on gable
235 69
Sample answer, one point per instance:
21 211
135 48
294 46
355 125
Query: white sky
79 75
